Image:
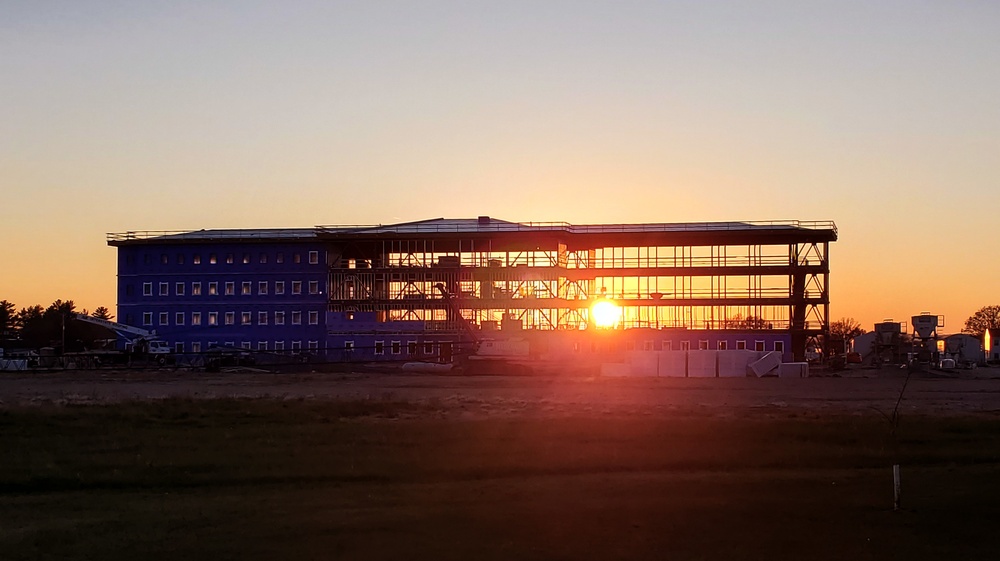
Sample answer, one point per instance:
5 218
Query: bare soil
167 465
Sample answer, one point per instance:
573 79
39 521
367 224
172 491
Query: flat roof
480 225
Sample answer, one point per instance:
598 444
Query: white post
895 487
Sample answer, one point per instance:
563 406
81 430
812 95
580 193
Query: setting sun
606 314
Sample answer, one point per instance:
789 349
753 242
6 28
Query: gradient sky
881 116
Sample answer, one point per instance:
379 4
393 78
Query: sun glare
605 313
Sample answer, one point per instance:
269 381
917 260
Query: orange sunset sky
881 116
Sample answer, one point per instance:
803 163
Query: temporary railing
468 226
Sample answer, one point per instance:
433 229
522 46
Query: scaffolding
547 276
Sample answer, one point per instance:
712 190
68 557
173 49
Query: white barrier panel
766 363
643 363
733 364
793 370
672 364
13 365
701 364
616 369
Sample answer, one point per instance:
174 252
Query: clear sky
882 116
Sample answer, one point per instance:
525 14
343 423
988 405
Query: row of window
228 288
261 346
396 347
703 345
228 258
229 318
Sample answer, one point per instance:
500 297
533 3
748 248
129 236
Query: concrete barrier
702 364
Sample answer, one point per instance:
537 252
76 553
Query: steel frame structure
546 276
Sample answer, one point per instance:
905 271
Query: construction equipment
456 310
140 343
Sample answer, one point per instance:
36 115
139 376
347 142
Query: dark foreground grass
376 479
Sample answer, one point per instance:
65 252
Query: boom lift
139 342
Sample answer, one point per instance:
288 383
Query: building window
164 260
263 258
703 345
779 346
246 288
379 347
164 289
179 289
261 318
313 317
279 258
279 287
313 287
213 318
313 257
147 318
180 258
668 345
146 259
262 287
230 288
179 348
245 318
230 318
758 346
229 258
164 318
296 287
741 345
296 317
246 258
313 345
147 289
723 345
396 347
195 318
296 258
349 346
196 289
196 347
196 259
685 345
296 346
245 345
212 259
279 345
179 318
213 289
261 345
279 318
428 348
411 347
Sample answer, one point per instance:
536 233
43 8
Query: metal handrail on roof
471 226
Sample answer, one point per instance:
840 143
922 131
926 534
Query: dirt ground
929 393
363 465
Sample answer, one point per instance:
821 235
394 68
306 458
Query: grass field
384 479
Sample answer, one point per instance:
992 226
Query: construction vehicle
141 345
488 355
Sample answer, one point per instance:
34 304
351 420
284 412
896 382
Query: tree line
37 326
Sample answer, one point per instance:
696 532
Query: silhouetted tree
30 322
988 317
846 329
103 313
7 317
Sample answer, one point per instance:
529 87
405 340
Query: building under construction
408 289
